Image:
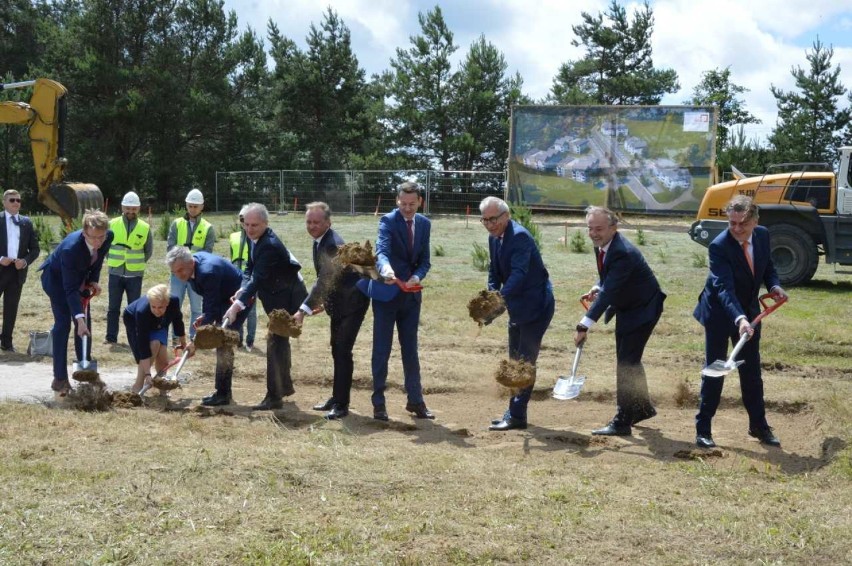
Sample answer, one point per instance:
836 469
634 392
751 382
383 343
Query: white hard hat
194 197
131 199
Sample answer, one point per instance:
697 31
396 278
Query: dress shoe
420 411
499 420
704 441
8 349
109 342
337 412
765 436
325 406
613 429
268 404
217 400
380 413
645 415
61 386
509 423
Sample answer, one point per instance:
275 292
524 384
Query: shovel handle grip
767 310
585 300
408 288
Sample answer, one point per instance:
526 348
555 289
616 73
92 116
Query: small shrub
577 243
640 237
163 226
663 253
44 233
523 216
480 257
699 259
440 251
178 210
67 227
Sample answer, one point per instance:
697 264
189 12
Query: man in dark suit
628 290
517 271
402 255
273 274
335 292
72 268
215 280
18 249
739 262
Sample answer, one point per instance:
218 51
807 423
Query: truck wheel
794 254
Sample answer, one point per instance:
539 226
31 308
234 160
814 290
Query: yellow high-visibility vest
235 240
128 249
198 237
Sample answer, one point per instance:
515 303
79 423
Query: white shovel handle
84 363
576 361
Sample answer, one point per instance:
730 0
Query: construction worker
195 233
131 249
239 257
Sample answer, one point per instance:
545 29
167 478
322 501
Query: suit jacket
392 246
139 320
28 248
629 288
731 290
518 272
273 274
216 279
335 287
68 269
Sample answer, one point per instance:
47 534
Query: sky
760 40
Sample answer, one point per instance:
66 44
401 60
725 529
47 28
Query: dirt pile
516 374
211 336
90 397
126 400
282 324
486 306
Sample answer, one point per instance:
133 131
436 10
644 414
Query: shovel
85 370
569 387
167 380
721 368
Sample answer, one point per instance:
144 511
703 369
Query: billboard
638 158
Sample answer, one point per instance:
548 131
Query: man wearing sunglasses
18 249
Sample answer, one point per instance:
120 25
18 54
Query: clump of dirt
516 374
283 324
684 396
164 384
354 253
86 376
90 397
486 306
211 336
699 454
126 400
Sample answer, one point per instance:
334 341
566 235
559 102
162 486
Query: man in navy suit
335 292
739 262
18 249
74 267
215 280
518 273
402 256
272 273
628 290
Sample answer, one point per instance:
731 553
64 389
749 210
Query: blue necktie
15 220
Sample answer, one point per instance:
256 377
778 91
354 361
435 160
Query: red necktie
410 235
748 257
601 260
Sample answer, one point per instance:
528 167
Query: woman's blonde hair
159 293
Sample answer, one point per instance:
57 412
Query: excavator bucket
72 199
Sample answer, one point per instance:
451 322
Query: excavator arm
44 117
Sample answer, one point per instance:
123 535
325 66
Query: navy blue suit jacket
629 288
731 290
28 249
518 272
140 322
335 287
216 279
67 269
273 274
392 246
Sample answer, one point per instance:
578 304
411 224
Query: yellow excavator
44 117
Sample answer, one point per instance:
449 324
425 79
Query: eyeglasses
491 219
13 199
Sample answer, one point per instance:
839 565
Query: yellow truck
808 214
44 117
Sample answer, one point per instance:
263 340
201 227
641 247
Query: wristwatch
581 328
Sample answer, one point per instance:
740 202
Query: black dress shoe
704 441
509 423
337 412
326 406
380 413
217 400
8 349
420 411
651 413
765 436
268 404
613 429
499 420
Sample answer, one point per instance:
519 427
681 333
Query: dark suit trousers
118 287
62 326
278 362
344 332
225 359
632 398
10 288
525 344
751 382
403 311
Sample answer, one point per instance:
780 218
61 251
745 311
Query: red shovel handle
408 288
767 310
584 300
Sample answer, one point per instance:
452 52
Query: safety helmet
194 197
131 199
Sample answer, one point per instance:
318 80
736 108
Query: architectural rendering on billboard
641 158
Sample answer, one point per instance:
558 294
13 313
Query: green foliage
440 251
178 210
480 257
44 233
163 226
717 88
663 253
641 239
577 243
699 259
67 227
523 216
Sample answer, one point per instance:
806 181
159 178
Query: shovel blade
568 388
721 368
